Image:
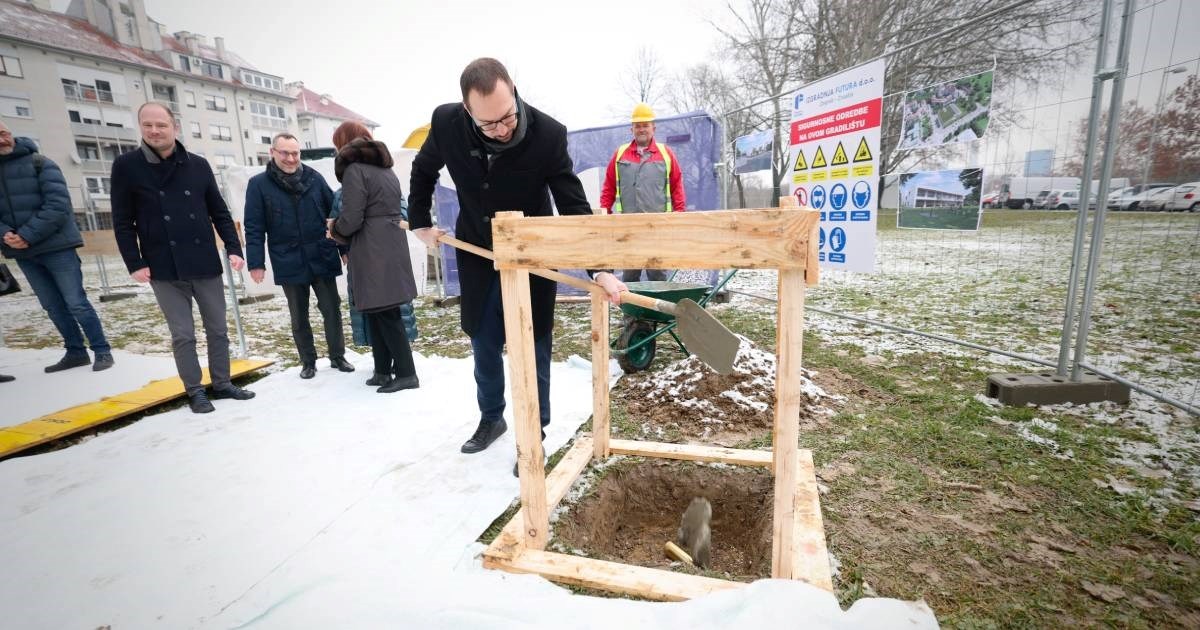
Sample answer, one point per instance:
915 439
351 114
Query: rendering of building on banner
752 152
941 200
950 112
833 152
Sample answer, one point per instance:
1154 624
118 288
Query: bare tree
645 77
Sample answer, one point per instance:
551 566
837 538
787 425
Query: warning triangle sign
819 159
863 152
801 165
839 156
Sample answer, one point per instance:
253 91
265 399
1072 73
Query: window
263 159
215 103
189 98
226 160
220 132
87 151
10 67
98 185
104 91
266 139
213 70
185 64
196 130
15 106
74 116
246 134
267 116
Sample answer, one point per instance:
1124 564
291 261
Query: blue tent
694 137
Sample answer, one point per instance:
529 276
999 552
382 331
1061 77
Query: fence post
1099 77
232 285
1110 142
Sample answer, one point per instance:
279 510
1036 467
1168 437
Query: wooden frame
771 238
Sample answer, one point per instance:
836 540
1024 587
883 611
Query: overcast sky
395 61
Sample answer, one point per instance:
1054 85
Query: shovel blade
706 337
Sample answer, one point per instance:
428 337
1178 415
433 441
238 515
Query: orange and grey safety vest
643 192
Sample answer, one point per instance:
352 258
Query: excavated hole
636 508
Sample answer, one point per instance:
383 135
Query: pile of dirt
690 397
635 508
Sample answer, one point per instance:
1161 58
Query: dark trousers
487 345
389 343
57 280
329 303
175 299
634 275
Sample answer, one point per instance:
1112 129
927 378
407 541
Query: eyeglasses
287 154
509 121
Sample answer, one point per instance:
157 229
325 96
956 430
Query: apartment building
73 82
318 115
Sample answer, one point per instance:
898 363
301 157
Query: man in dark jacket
38 228
287 207
502 155
165 203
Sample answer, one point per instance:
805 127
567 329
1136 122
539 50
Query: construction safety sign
834 142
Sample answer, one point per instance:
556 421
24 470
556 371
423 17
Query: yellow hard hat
642 113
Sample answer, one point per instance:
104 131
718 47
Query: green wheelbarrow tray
665 291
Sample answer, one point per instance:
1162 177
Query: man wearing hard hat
643 176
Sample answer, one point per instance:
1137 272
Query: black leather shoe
5 378
308 371
102 362
232 391
342 365
399 383
485 434
379 379
199 403
68 362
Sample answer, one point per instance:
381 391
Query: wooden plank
812 266
811 558
601 427
558 482
65 422
742 239
789 346
691 452
518 330
656 584
99 243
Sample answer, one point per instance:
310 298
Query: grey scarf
494 147
295 184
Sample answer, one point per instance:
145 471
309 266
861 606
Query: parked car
1184 197
1129 198
1040 200
1063 200
990 200
1155 199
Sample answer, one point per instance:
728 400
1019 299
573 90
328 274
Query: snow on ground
320 504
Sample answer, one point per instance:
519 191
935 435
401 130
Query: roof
309 102
170 42
23 21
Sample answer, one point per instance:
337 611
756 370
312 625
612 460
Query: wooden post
601 431
518 331
790 345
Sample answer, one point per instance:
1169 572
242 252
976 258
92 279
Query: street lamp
1162 88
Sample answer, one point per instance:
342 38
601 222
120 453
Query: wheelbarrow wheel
642 355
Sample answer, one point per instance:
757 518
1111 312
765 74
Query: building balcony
85 94
84 130
96 166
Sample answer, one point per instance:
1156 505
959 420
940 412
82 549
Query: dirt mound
689 397
635 508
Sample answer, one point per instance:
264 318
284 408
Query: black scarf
371 152
518 135
295 184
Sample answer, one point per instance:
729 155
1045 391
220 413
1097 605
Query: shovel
701 333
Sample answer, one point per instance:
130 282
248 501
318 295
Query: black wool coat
521 178
164 213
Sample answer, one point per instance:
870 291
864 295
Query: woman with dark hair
380 268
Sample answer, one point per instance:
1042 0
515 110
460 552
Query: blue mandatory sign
821 235
837 239
817 198
861 195
837 196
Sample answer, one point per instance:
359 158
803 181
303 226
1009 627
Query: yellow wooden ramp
60 424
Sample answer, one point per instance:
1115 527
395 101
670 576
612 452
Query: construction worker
643 176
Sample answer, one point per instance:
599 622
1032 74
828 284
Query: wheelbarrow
637 343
